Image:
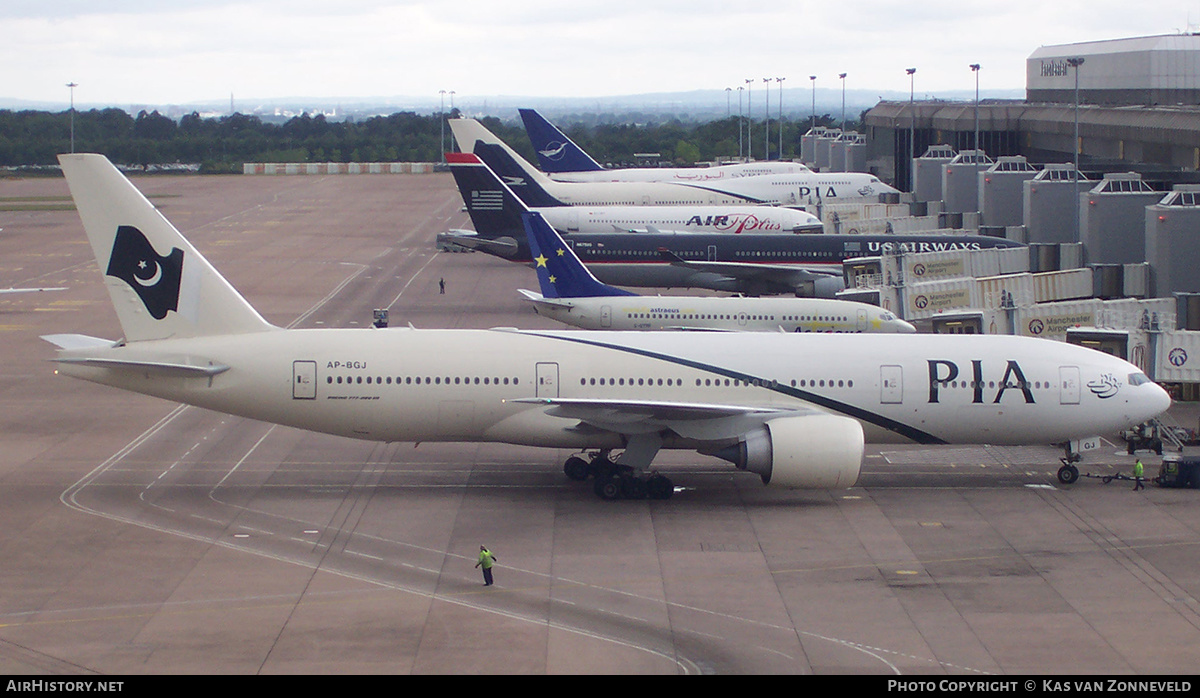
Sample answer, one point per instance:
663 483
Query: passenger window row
724 316
667 382
420 380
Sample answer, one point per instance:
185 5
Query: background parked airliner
565 161
570 294
736 218
797 189
793 408
733 219
801 265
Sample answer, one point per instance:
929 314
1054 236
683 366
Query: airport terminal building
1100 177
1138 110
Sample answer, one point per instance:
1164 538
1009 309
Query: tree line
34 138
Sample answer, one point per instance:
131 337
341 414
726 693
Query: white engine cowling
812 452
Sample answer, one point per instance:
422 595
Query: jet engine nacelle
820 287
812 452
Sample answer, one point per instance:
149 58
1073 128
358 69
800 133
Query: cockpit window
886 316
1138 379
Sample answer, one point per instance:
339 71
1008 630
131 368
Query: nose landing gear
1069 472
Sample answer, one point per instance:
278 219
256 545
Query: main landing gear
616 480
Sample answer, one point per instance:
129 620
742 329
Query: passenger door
1068 385
891 385
547 379
304 380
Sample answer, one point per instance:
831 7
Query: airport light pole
767 120
442 118
72 85
813 79
975 69
912 130
741 123
728 102
749 118
1075 62
780 81
842 77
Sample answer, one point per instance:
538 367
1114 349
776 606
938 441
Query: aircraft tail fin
522 177
555 150
560 273
494 209
160 285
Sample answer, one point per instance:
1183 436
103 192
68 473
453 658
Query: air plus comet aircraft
793 408
570 294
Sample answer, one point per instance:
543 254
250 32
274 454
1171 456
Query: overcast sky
178 51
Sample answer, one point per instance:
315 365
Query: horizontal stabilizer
535 297
181 369
77 341
31 290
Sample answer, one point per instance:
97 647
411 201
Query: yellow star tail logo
541 260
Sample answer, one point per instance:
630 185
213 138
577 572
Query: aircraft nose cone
1159 401
905 327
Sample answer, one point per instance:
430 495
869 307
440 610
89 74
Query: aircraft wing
701 421
505 247
774 275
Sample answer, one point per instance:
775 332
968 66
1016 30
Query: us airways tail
160 285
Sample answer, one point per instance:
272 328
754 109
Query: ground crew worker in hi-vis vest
486 560
1137 475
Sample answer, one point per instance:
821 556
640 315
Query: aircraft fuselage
463 385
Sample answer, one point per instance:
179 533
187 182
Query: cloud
139 51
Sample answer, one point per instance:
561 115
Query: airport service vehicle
570 294
795 409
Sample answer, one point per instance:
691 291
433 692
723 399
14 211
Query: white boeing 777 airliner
793 408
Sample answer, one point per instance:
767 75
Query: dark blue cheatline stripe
715 190
905 430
